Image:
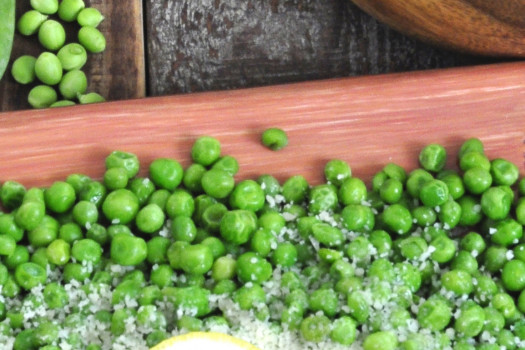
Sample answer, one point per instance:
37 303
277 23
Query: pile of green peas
430 259
59 69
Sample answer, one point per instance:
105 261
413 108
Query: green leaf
7 32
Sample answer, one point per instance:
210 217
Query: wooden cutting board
367 121
117 74
495 28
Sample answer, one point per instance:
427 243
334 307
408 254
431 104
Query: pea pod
7 31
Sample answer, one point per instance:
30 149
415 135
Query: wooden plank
118 73
476 26
366 121
226 44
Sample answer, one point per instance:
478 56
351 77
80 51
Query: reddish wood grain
366 121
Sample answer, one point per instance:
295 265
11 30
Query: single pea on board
131 260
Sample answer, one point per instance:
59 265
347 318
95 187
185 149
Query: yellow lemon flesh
204 340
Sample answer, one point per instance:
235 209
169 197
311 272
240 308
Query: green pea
327 234
504 172
504 303
424 216
358 306
68 10
217 183
434 314
23 69
62 103
433 157
285 255
224 268
336 171
30 22
87 250
237 226
434 193
412 247
450 214
46 333
196 259
48 68
343 330
513 275
72 56
30 214
58 252
357 217
247 195
508 232
42 96
416 179
397 218
496 203
294 189
494 320
127 289
451 178
192 177
391 191
445 249
474 159
477 180
506 339
128 250
324 300
24 340
118 320
72 84
150 218
252 268
381 241
206 150
29 275
166 173
352 191
92 39
47 7
9 227
91 97
383 340
120 206
465 261
274 138
269 184
249 297
52 35
315 328
359 250
60 197
457 281
189 298
157 250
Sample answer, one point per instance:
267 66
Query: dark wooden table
192 46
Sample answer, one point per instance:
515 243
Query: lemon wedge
204 340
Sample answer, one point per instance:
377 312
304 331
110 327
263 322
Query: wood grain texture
226 44
366 121
476 26
118 73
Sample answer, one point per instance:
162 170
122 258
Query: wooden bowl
488 27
